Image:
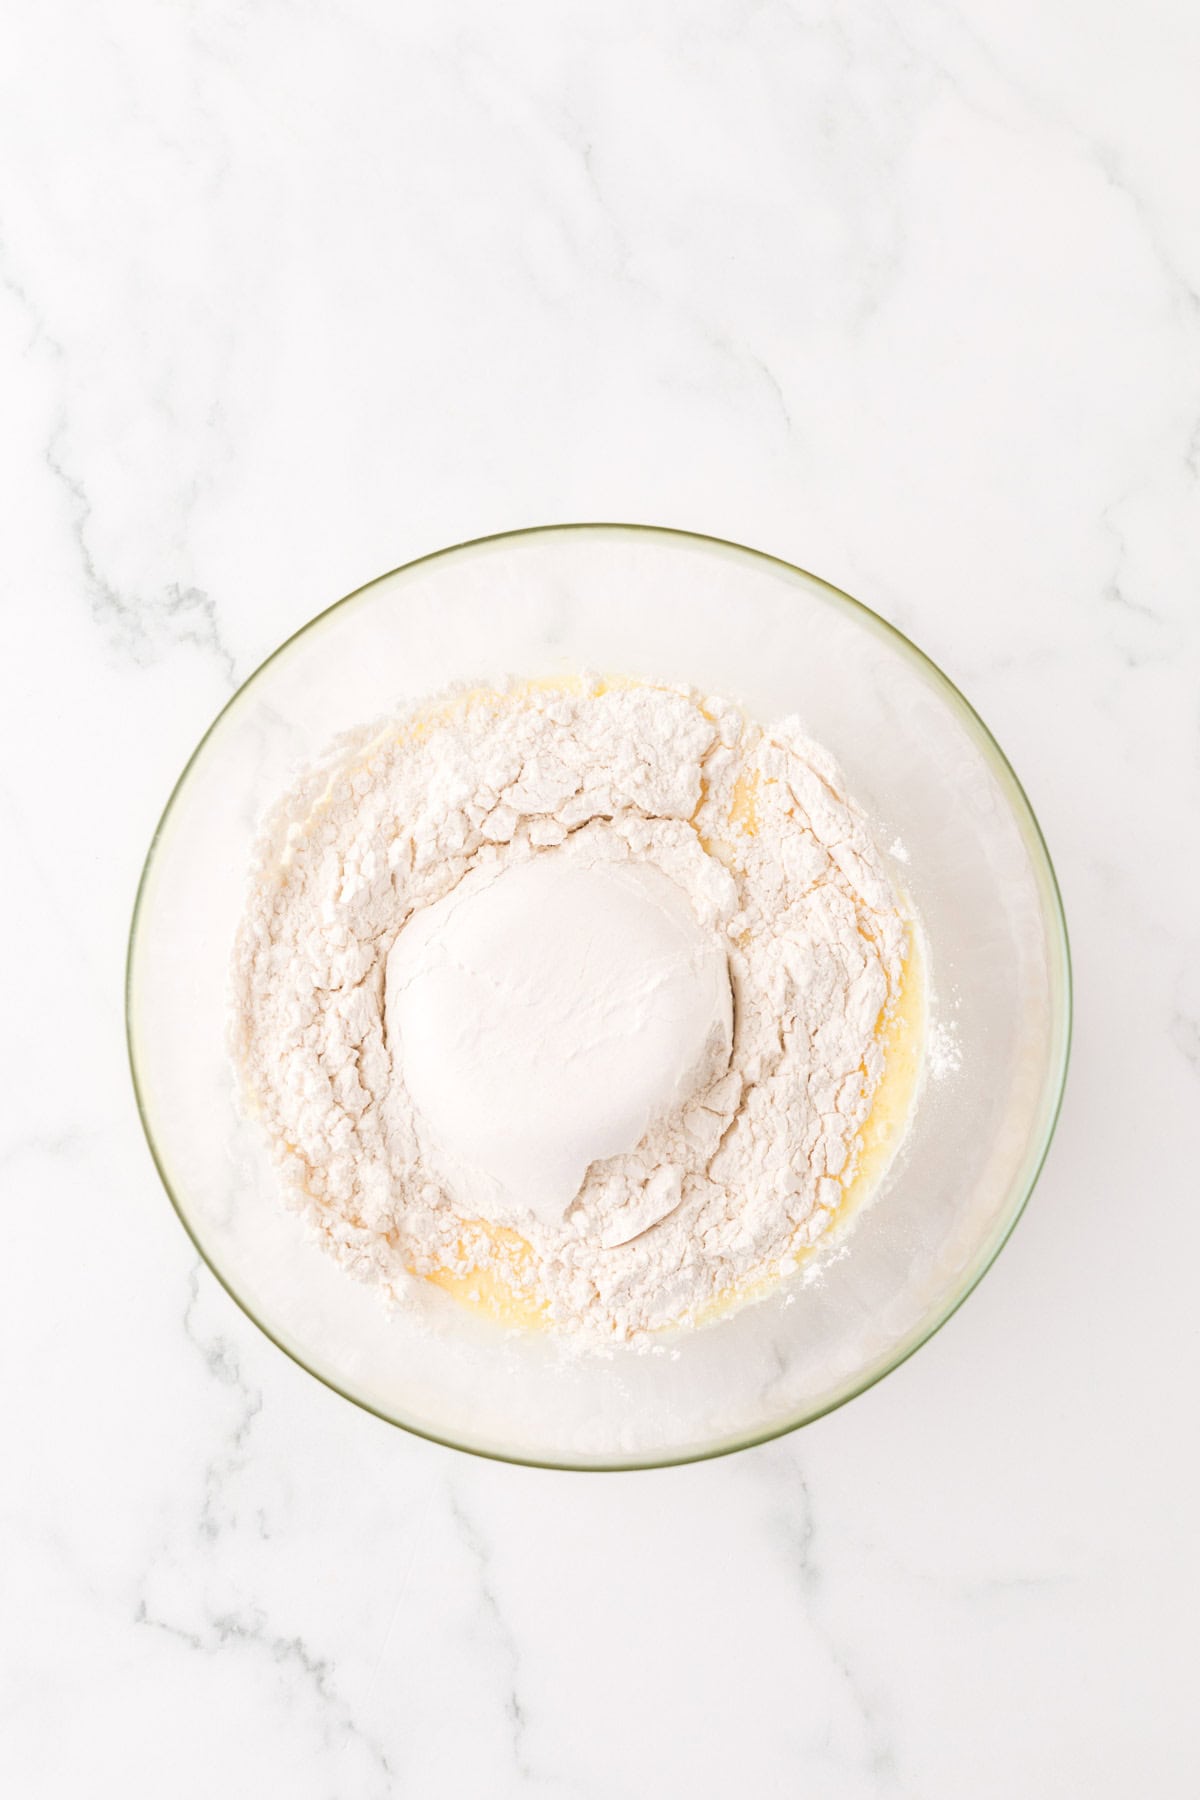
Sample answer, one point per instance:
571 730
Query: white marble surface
907 293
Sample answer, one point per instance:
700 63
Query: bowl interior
671 606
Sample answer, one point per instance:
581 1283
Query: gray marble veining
910 295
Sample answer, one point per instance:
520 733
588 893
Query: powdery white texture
753 823
943 1052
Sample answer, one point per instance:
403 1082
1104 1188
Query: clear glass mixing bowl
669 605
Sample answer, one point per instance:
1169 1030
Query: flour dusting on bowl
573 998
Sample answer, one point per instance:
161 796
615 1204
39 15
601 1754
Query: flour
726 1174
943 1053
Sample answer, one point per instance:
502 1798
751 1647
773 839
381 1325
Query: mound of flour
751 824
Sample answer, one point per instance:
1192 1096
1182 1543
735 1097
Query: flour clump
582 986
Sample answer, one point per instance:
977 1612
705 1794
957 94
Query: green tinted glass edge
1061 982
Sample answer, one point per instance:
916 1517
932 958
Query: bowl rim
1061 982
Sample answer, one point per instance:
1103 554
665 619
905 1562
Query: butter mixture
575 1000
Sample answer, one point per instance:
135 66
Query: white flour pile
575 993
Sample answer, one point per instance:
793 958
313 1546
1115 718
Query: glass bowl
633 600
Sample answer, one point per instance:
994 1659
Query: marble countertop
907 294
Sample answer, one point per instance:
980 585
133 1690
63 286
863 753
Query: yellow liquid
903 1040
502 1281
